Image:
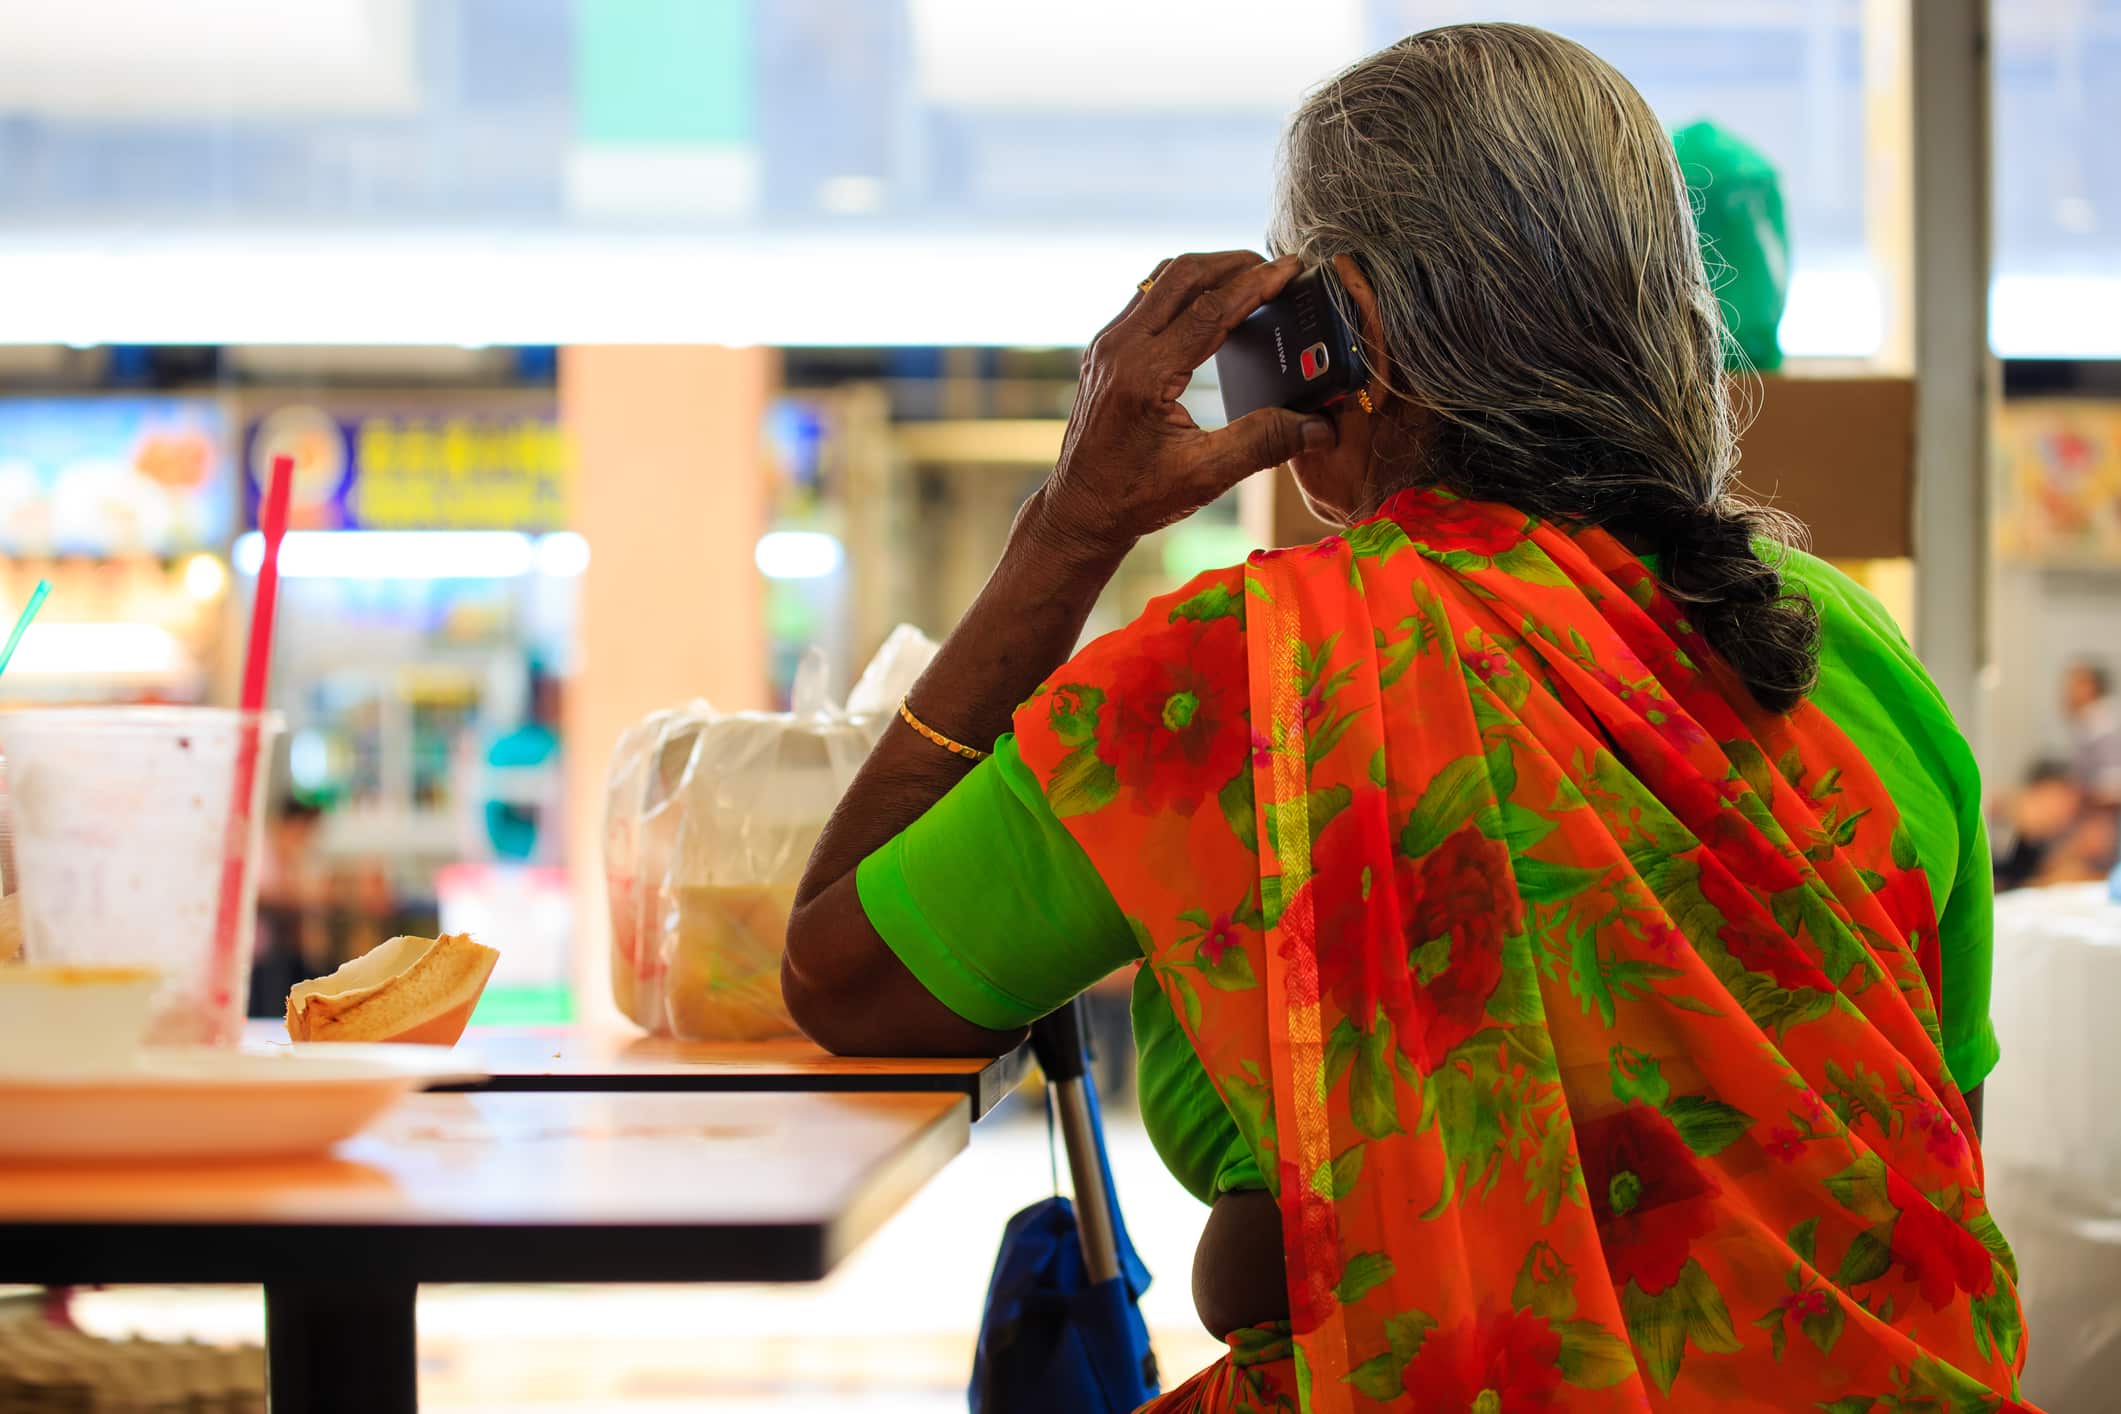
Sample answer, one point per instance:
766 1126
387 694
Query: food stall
428 605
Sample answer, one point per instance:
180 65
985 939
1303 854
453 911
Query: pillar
1927 114
670 491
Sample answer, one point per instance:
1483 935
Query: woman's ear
1375 360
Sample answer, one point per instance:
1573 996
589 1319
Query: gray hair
1518 210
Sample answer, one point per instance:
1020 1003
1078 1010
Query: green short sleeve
991 903
1966 934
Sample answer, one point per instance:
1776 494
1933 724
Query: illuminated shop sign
113 476
388 470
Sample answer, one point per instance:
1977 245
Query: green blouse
991 903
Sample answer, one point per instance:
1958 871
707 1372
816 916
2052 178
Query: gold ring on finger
1144 285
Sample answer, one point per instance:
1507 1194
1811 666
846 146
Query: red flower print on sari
1222 935
1667 942
1488 662
1940 1135
1642 689
1639 695
1635 699
1303 983
1175 723
1350 971
1443 523
1803 1305
1907 901
1748 853
1462 891
1459 891
1357 975
1314 1257
1753 938
1693 798
1679 730
1785 1144
1508 1362
1934 1252
1650 1198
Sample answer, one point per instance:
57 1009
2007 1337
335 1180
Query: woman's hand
1133 459
1133 462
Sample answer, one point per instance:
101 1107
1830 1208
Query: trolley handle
1057 1041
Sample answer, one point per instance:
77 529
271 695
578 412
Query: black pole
341 1346
1057 1040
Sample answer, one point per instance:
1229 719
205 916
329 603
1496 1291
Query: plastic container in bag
709 820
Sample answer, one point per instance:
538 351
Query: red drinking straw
257 660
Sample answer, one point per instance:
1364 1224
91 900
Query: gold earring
1362 396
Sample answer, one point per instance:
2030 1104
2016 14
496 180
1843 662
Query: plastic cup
121 836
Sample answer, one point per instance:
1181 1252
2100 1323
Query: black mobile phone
1295 351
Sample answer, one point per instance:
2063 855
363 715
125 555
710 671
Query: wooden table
487 1188
582 1058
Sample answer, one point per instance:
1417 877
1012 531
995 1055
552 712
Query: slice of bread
420 990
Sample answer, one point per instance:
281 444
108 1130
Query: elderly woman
1561 912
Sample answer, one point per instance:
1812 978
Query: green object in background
1195 546
663 71
525 1006
1744 239
512 825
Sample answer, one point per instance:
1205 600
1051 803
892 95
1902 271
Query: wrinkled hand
1133 459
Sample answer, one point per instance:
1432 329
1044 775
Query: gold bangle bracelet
970 753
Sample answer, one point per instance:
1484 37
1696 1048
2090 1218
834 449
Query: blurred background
626 348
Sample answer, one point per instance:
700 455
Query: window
921 171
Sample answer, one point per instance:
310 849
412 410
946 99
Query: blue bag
1054 1340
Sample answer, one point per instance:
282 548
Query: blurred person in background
1562 912
294 897
2033 820
2089 851
2054 831
2094 717
317 913
2063 826
366 910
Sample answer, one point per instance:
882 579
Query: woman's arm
1132 461
844 986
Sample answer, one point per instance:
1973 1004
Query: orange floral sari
1583 1014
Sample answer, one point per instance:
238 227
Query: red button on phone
1312 361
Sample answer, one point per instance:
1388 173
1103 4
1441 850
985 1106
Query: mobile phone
1295 351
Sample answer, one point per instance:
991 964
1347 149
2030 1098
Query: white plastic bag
709 819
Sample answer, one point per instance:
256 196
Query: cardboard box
1837 453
